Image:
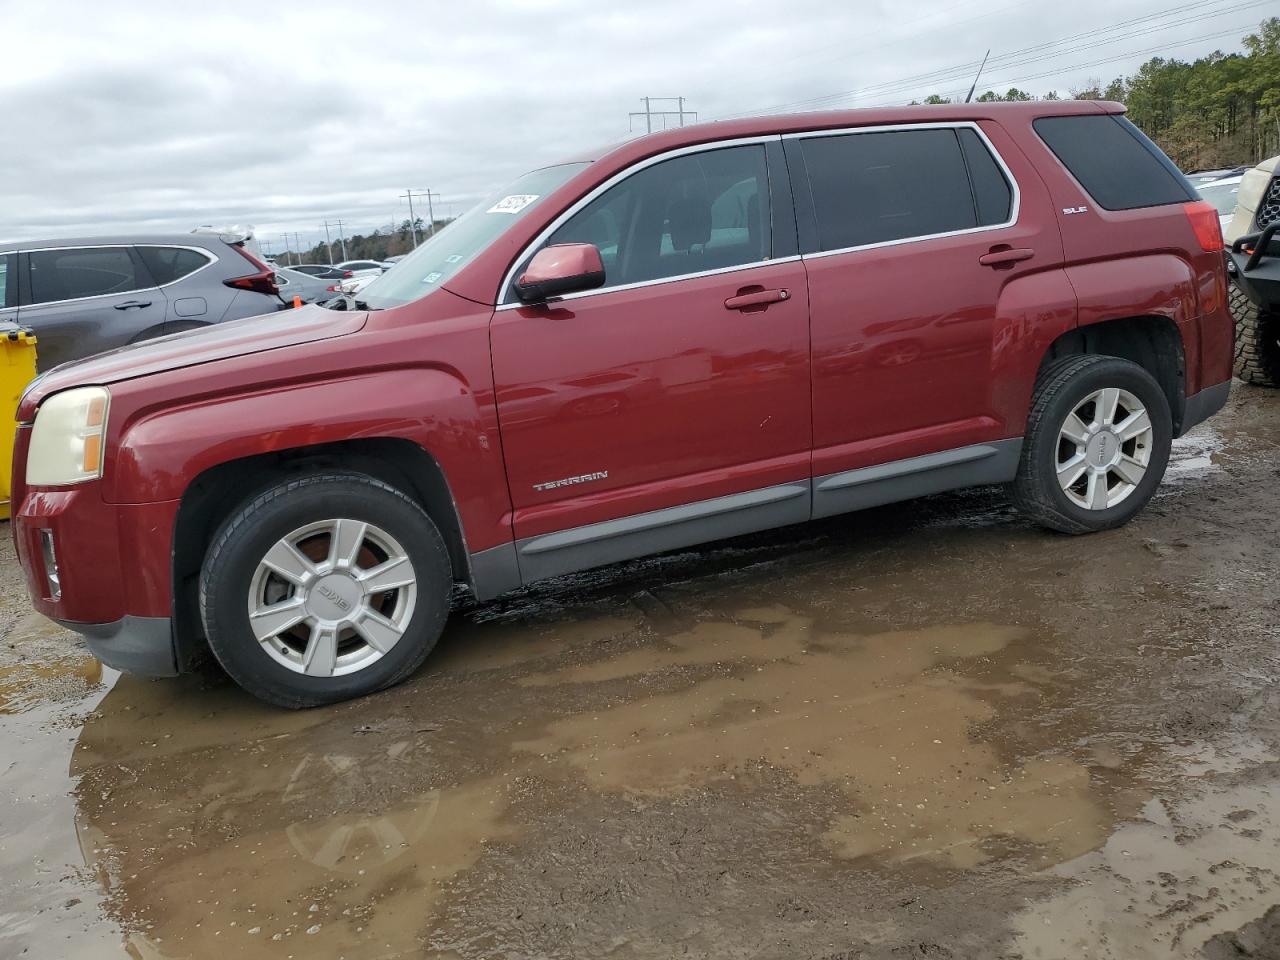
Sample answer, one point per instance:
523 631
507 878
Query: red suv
701 333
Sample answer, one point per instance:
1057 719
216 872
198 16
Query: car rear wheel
1096 447
1257 341
323 588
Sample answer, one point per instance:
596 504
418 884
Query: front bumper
133 644
102 569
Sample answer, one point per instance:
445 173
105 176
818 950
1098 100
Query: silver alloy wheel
332 597
1104 448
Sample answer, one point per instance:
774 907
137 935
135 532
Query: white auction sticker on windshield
432 277
513 204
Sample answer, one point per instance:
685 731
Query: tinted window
167 264
991 192
8 278
873 187
82 272
705 211
1119 167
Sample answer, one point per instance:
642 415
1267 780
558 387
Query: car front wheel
323 588
1096 446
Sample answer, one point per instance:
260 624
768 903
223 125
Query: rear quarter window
167 264
1115 163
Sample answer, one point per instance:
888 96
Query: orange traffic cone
297 302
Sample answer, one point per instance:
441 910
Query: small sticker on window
453 259
432 277
513 204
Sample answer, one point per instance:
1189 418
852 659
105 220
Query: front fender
160 451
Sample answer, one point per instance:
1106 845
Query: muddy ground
929 730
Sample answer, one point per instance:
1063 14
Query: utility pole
328 244
342 240
649 112
413 224
298 241
285 252
431 216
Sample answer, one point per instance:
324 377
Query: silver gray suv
85 296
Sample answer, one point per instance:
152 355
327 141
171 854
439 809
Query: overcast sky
134 115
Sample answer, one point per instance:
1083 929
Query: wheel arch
1153 342
213 495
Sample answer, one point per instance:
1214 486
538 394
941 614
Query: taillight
347 274
263 281
1205 224
334 289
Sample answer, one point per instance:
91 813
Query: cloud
159 116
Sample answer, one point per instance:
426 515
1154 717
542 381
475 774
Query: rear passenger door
84 300
911 237
168 265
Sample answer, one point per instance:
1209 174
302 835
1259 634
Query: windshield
457 244
1221 195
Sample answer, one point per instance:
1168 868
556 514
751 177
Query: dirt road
928 730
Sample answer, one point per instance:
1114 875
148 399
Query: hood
220 341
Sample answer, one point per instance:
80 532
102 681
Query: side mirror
559 269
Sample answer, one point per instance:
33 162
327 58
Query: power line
1057 71
1007 60
1010 59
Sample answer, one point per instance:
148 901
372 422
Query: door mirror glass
559 269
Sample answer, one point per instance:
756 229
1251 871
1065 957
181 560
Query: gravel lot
927 730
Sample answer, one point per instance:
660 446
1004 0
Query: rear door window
882 186
690 214
1114 161
167 264
8 280
77 272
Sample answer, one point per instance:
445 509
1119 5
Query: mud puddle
212 821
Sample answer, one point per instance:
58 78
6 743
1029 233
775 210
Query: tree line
1221 110
378 245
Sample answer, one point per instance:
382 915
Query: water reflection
214 822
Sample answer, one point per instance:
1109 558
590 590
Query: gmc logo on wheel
332 595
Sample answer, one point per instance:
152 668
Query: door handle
130 304
757 298
1009 255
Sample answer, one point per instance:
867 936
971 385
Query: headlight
66 441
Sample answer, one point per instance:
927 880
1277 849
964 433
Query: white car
1223 194
364 268
355 284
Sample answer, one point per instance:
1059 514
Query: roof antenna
975 77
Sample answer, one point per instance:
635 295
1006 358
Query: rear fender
1155 285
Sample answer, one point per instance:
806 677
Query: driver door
662 409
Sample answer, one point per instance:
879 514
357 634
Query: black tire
253 528
1257 341
1060 389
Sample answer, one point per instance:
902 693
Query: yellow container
17 369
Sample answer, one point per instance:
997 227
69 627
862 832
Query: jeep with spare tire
1255 299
